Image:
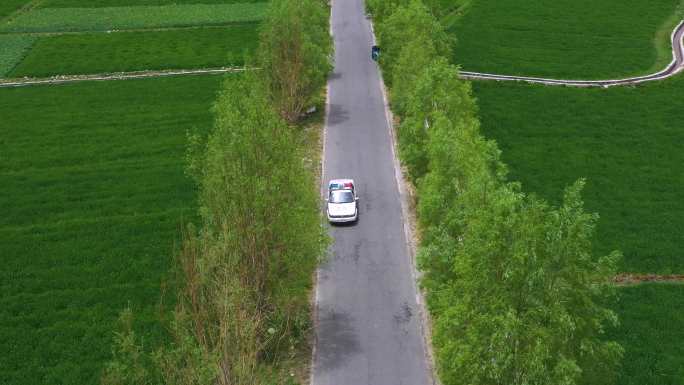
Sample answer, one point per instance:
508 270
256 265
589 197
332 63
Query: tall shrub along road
515 295
244 274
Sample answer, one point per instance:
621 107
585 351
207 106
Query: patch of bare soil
635 279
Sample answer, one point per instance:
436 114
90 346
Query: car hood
342 208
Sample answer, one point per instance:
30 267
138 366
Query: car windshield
341 196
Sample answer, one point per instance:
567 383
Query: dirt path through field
124 30
13 83
630 279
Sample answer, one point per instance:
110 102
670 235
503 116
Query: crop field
136 51
94 192
625 141
14 47
125 35
571 39
121 3
93 173
7 7
138 17
651 332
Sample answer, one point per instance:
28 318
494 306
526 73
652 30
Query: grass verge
136 51
138 17
93 195
651 333
571 39
625 141
663 42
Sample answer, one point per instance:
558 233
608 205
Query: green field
625 141
651 332
13 48
7 7
138 17
577 39
122 3
135 51
93 195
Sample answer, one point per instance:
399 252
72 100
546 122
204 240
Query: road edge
408 224
317 273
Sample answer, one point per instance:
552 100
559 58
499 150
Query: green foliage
134 51
245 275
560 38
651 331
130 363
381 9
294 53
115 18
414 57
436 92
260 192
94 192
515 294
624 140
12 50
405 24
524 302
445 9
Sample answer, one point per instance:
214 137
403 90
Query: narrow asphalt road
368 324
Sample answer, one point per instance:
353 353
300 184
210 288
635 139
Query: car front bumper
343 219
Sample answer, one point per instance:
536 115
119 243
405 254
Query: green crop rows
94 192
14 47
651 332
135 51
584 39
122 3
625 141
219 34
114 18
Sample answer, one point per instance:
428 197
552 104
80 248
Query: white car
342 201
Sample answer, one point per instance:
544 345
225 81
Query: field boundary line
632 279
124 30
675 66
13 83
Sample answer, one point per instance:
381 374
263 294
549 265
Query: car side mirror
357 198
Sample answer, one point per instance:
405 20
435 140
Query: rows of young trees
244 274
514 292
